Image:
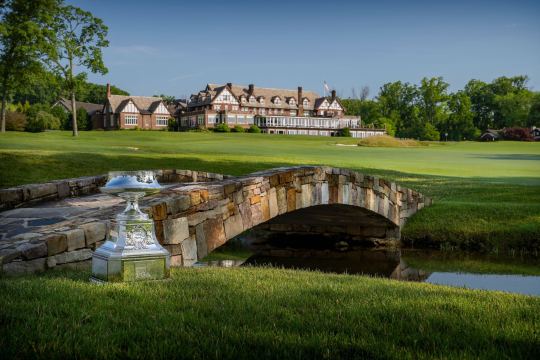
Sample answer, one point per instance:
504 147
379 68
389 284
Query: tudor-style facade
275 111
129 112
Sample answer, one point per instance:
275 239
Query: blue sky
176 47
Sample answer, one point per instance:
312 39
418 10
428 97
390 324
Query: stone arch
193 219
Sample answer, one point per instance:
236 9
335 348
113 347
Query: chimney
251 89
229 85
108 90
300 102
333 95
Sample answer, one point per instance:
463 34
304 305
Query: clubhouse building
275 111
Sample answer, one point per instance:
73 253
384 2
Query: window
162 120
235 108
217 107
252 99
291 101
131 119
261 100
306 102
293 112
277 101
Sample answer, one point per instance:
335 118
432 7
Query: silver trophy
131 251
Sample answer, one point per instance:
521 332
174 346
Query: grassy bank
486 194
261 313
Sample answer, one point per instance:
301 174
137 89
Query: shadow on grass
528 157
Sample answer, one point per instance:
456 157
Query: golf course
486 199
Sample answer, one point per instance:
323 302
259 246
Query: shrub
254 129
199 128
15 121
42 121
223 128
238 129
172 125
430 133
61 115
345 132
517 134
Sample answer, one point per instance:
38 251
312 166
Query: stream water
514 274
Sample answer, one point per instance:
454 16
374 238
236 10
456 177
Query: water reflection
469 271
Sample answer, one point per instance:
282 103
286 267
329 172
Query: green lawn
486 194
261 313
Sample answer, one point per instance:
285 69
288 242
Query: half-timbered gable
281 111
146 112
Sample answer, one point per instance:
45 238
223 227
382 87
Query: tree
460 125
481 103
78 40
512 109
97 94
432 98
533 119
22 30
167 99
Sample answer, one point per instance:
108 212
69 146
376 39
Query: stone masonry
202 211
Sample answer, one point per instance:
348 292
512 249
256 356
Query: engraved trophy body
131 251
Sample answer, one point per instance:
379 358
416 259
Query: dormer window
292 101
252 99
277 101
242 99
306 102
261 100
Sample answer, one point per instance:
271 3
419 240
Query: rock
73 256
176 260
179 204
94 231
291 199
8 255
159 211
175 230
233 226
75 239
175 249
56 243
32 251
189 249
25 267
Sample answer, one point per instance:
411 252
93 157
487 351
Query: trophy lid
131 181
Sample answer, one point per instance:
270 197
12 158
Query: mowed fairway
486 194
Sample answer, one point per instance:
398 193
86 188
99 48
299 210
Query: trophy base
142 265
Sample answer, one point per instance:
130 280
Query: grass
486 194
261 313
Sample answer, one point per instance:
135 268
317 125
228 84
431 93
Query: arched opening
333 238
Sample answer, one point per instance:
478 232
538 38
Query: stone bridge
200 211
192 220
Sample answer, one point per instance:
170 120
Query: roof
145 104
89 107
212 90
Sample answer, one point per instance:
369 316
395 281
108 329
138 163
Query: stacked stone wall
32 194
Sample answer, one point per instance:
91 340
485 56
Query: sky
177 47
